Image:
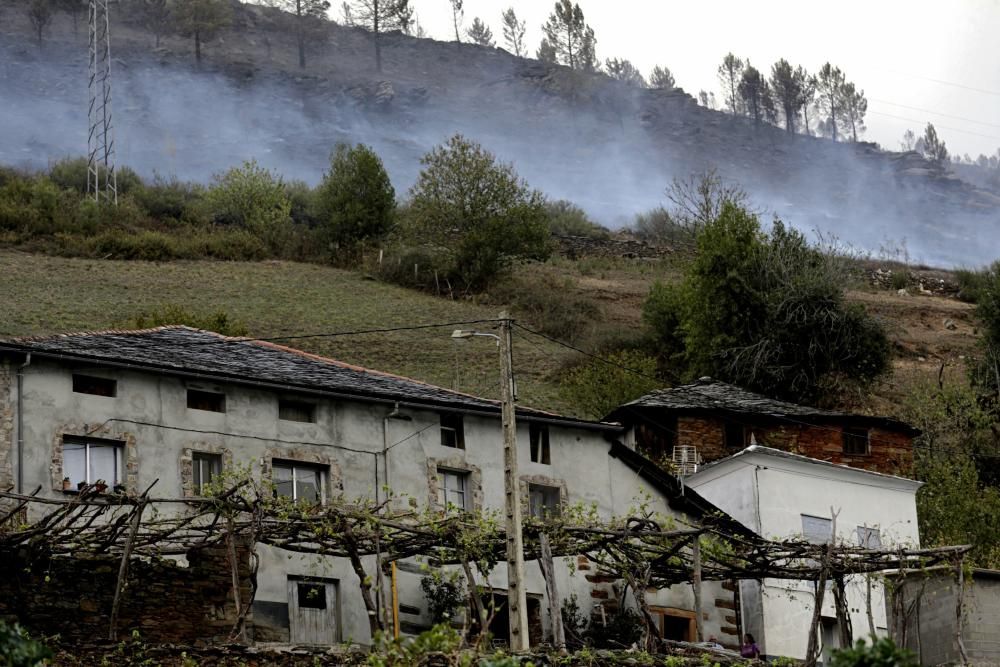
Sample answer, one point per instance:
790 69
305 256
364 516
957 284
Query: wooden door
312 611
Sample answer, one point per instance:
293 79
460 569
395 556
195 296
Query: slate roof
185 351
708 396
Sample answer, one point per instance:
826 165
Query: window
539 436
296 411
453 489
311 596
816 529
543 501
205 467
302 482
452 432
206 400
88 384
869 538
88 460
735 435
856 441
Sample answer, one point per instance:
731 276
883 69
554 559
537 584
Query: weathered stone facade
103 430
163 600
6 424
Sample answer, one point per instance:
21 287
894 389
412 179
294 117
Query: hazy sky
917 60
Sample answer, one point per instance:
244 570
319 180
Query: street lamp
517 599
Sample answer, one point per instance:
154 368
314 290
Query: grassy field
43 294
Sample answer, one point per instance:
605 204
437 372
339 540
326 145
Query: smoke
610 149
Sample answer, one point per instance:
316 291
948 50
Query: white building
180 405
781 496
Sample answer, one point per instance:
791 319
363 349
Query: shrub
18 649
598 387
34 206
252 197
623 628
478 212
146 245
445 595
972 284
568 219
766 312
72 173
550 306
303 200
882 652
219 321
171 199
356 201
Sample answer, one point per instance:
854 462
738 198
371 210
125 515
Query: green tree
765 311
513 33
829 88
622 69
479 33
662 78
252 197
931 146
479 213
307 13
730 75
40 16
855 106
787 84
753 91
568 219
568 38
883 652
598 387
380 16
356 201
201 19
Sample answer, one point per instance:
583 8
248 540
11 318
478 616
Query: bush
72 174
356 201
253 198
146 245
171 199
765 312
598 387
219 321
550 306
568 219
624 628
882 652
303 200
18 649
478 212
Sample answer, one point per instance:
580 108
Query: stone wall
621 245
163 600
6 424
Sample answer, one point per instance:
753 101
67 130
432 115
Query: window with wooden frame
453 490
675 624
95 386
205 467
291 410
210 401
856 441
452 430
539 438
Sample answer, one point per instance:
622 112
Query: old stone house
182 406
708 420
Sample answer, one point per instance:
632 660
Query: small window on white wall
869 538
816 529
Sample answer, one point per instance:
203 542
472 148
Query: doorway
313 611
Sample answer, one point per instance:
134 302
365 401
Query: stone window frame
186 463
541 480
474 489
98 431
334 477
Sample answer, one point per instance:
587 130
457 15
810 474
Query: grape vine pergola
643 551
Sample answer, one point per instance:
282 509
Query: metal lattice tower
102 182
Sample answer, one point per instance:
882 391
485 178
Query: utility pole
102 181
517 599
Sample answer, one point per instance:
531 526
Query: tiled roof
711 396
184 351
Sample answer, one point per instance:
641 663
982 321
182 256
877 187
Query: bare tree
730 74
40 14
74 8
479 33
513 33
381 16
457 14
909 141
661 77
347 14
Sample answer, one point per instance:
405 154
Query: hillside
586 138
45 294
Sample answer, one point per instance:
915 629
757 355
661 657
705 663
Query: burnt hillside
608 147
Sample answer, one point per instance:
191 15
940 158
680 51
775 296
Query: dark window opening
452 431
735 436
856 441
88 384
677 628
539 443
543 501
206 400
296 411
206 467
312 596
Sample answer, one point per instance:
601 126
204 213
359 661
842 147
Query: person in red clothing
749 648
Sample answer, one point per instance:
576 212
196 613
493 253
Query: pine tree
786 84
931 146
661 77
730 74
568 38
201 19
513 33
623 70
829 87
154 15
855 106
480 33
751 90
40 15
305 11
381 16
